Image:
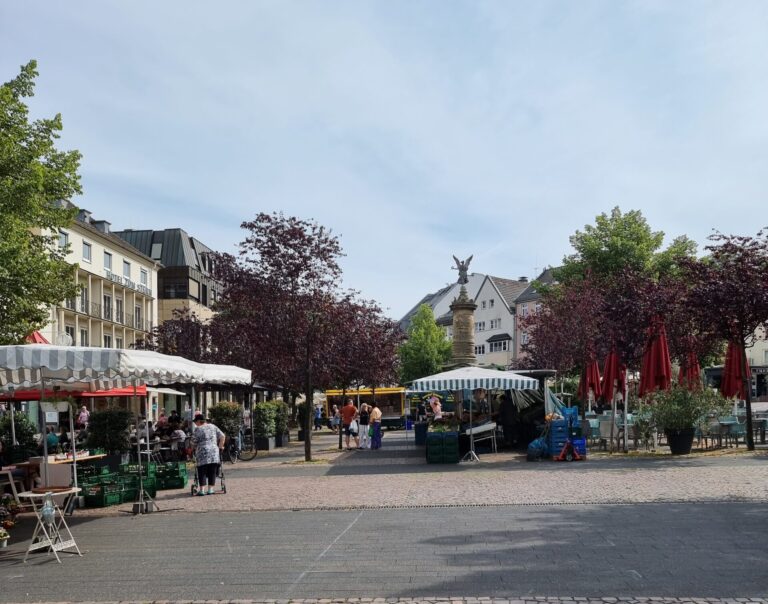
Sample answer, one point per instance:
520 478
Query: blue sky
415 130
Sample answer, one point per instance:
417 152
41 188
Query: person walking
318 418
376 425
336 420
83 417
348 415
364 421
208 441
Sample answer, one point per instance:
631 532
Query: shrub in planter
282 415
25 436
108 430
228 416
264 425
678 411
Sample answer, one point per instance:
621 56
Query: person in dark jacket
509 418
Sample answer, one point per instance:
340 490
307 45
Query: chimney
523 279
102 225
84 216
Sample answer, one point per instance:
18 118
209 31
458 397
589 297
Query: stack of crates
442 447
101 487
560 431
129 473
172 475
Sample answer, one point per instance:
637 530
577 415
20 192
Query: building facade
527 303
185 281
116 304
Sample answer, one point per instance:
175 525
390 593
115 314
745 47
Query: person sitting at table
162 421
144 429
51 439
63 437
178 438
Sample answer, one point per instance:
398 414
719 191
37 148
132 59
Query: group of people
362 425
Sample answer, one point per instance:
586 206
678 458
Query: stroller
219 476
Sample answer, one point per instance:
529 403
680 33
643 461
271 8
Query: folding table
53 536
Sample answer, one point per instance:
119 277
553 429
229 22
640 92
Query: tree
276 312
36 182
184 335
621 242
730 292
426 349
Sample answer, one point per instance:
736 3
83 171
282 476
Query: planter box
680 441
282 440
264 443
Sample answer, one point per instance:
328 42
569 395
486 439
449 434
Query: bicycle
231 450
248 449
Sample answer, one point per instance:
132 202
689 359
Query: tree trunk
748 397
308 410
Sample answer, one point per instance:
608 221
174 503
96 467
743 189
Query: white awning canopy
166 391
79 368
470 378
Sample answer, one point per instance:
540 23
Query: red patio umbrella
656 368
614 371
732 382
590 378
690 372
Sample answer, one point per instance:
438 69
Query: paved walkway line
454 600
322 554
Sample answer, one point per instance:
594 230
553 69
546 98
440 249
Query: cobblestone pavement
458 600
398 476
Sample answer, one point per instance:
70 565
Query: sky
414 130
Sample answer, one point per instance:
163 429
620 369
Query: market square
386 302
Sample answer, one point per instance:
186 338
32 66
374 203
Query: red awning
613 373
36 338
732 382
140 391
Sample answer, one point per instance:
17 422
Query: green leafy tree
36 181
619 242
25 431
426 349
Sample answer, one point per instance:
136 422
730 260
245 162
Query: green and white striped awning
469 378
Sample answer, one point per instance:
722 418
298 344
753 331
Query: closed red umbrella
614 377
656 368
590 378
690 372
732 382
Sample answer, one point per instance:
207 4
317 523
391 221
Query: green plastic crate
147 469
102 495
172 482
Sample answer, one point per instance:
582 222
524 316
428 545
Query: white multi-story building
116 304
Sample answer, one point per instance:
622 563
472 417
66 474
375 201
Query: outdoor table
56 536
725 428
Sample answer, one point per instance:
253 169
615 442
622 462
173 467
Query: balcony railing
107 313
129 321
82 305
119 316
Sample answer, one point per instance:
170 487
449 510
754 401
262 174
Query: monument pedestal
463 347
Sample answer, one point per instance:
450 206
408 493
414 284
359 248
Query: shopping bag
370 431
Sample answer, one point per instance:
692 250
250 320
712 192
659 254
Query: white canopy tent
78 368
472 378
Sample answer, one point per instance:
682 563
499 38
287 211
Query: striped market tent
82 368
470 378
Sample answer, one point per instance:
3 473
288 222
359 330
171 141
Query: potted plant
678 411
264 425
228 416
4 537
282 413
109 430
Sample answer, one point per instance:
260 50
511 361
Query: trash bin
420 433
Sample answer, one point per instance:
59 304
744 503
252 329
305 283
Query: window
119 310
108 261
490 303
70 331
524 338
498 346
83 299
524 310
83 337
480 326
107 307
537 308
157 251
479 350
118 342
143 277
126 269
86 251
137 315
495 323
194 289
63 239
107 341
482 304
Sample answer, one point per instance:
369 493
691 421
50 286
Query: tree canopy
426 348
35 180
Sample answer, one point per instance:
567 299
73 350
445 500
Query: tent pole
13 422
43 431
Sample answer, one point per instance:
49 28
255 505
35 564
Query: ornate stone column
463 352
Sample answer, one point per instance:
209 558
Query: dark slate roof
178 248
509 289
446 319
530 294
499 337
430 299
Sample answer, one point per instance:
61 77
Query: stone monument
463 308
